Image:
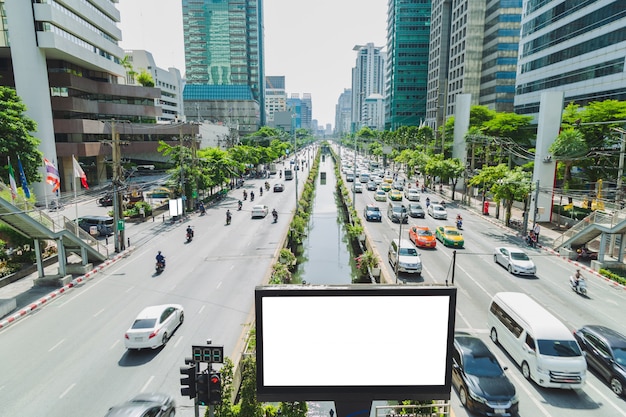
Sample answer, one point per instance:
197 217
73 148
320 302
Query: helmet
159 252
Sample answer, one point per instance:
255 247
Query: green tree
224 408
15 137
514 186
293 409
250 407
145 78
568 147
128 66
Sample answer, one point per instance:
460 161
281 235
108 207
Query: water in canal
327 257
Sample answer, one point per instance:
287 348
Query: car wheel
495 258
510 269
164 339
182 318
616 386
463 397
494 335
526 370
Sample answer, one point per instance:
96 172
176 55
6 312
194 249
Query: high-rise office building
65 63
307 111
474 47
406 72
275 96
368 77
224 47
571 46
343 113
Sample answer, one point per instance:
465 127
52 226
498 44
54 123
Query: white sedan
154 326
260 210
412 194
437 211
516 261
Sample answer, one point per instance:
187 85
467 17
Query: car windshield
144 324
415 207
485 366
373 209
563 348
519 256
424 233
408 252
451 232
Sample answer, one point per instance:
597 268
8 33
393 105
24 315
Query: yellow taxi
450 236
395 195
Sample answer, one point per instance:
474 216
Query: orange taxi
422 237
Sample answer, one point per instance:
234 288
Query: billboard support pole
353 408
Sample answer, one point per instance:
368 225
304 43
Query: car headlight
476 397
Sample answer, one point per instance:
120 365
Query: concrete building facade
343 113
275 96
368 77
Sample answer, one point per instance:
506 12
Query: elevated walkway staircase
597 224
37 225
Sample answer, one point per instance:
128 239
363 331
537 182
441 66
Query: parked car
480 380
106 200
416 210
145 405
279 188
412 194
437 211
358 187
372 213
450 236
154 326
380 195
97 225
605 352
372 186
516 261
422 237
395 195
259 210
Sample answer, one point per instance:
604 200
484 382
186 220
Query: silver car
437 211
516 261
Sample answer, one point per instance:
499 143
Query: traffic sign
208 354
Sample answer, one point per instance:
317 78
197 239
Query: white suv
408 259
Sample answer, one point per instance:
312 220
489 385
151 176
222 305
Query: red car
422 237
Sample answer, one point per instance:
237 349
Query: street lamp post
354 176
295 156
620 169
402 218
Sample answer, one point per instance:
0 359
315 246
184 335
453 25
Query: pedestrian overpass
70 239
597 224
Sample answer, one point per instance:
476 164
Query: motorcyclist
577 278
160 259
189 232
261 191
275 214
245 194
267 185
459 218
202 209
427 202
251 195
239 204
228 216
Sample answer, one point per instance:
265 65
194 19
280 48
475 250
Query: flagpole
45 193
11 183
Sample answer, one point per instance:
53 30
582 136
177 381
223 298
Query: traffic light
215 388
203 389
188 380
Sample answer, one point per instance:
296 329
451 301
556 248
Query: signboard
208 354
176 207
354 342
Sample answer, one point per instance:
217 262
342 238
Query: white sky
308 41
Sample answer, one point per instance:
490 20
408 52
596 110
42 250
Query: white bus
537 341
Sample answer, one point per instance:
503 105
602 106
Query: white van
537 341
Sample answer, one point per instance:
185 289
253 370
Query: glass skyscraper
224 44
406 67
574 46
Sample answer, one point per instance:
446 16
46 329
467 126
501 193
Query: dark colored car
416 210
605 351
279 188
372 213
145 405
479 379
372 186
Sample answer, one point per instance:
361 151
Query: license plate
499 410
138 339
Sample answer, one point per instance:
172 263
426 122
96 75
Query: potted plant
286 257
368 262
354 230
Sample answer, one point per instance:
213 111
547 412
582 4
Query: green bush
613 276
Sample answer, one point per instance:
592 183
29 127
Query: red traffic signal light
215 388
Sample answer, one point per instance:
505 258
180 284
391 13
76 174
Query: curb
51 296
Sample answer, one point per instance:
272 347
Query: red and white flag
52 175
79 173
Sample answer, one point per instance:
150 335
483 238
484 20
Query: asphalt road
478 278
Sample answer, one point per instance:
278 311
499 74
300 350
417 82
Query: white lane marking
607 400
145 386
98 313
201 309
66 391
57 345
219 284
178 341
114 344
129 289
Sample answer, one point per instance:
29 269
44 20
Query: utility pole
118 199
182 169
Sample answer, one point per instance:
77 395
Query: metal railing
597 217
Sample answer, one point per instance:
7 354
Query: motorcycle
267 186
581 288
261 191
160 266
245 195
239 204
189 236
459 224
275 215
228 218
585 254
251 196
